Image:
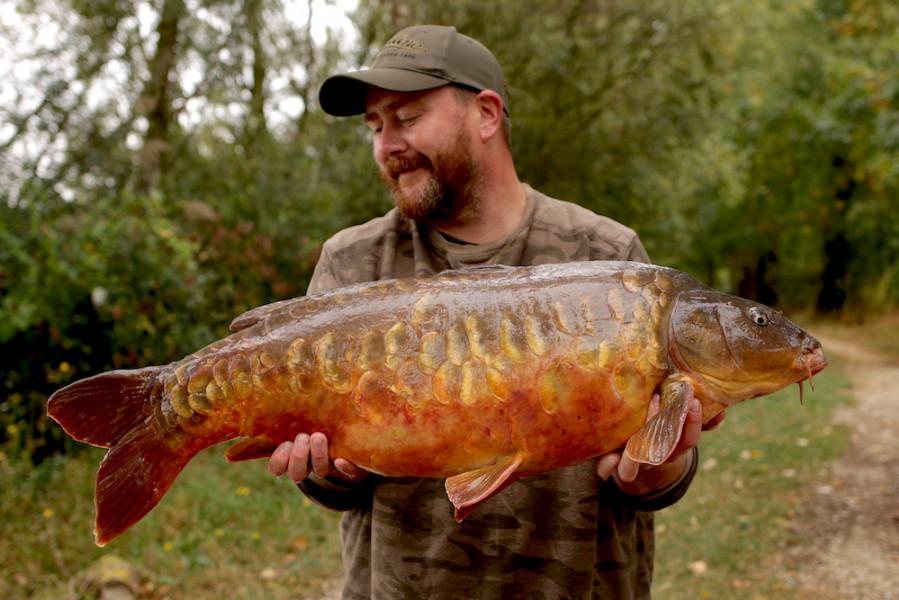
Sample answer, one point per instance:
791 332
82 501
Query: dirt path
851 523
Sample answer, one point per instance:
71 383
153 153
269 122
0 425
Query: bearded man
437 105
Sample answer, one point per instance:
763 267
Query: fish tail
102 409
113 410
133 477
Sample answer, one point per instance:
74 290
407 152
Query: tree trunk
156 99
256 127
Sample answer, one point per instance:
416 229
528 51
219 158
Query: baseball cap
418 58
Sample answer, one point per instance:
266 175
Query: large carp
481 376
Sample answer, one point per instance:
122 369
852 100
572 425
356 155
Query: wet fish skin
482 376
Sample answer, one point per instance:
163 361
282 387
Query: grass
234 531
223 531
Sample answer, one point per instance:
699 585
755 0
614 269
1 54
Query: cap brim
344 95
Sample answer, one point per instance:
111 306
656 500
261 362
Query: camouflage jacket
564 534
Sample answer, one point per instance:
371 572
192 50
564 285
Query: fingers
318 452
349 471
277 463
298 459
628 469
692 427
606 464
308 454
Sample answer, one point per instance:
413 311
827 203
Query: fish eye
758 316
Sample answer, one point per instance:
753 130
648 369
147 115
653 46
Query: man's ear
490 110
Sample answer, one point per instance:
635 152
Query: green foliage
810 125
134 280
84 292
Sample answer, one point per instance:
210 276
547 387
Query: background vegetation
164 165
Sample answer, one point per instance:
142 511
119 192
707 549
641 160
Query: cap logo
405 43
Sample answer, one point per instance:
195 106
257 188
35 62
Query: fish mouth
811 361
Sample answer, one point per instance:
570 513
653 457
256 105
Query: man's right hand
308 454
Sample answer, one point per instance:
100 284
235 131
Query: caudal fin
114 410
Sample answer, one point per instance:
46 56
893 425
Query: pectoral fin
658 438
467 490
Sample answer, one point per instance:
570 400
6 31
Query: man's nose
389 141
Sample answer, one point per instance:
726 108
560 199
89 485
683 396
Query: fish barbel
481 376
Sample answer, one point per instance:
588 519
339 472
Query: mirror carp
481 376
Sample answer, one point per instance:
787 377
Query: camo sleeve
669 495
338 495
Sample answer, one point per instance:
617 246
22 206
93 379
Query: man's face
422 145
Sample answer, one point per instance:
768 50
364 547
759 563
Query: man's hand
308 454
636 481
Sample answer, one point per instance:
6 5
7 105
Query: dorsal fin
260 313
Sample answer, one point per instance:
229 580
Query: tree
160 184
809 129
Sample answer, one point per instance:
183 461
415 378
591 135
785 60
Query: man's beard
448 192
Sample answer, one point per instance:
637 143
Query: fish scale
480 376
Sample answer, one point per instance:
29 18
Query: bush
131 281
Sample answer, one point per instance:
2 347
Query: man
437 105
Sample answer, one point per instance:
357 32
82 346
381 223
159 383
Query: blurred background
164 165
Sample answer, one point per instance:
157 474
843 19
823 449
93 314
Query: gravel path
851 520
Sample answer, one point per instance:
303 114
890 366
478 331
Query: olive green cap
417 58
